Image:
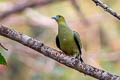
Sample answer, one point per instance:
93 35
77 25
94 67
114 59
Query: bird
68 40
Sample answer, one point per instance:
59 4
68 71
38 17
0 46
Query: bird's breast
68 45
66 39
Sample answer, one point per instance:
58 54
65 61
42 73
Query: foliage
2 60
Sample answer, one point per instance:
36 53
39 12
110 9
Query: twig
80 13
106 8
3 47
56 55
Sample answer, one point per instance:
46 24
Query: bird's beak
55 17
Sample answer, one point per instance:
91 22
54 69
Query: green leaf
2 60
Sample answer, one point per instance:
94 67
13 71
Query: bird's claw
78 57
60 51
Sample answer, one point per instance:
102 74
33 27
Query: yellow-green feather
66 38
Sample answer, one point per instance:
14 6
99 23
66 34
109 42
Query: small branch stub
3 47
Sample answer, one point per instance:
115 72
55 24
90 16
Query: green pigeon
68 40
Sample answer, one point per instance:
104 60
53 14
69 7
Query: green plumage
67 40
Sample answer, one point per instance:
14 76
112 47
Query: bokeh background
99 32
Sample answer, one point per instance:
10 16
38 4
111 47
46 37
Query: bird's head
59 18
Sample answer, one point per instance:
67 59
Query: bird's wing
77 40
57 42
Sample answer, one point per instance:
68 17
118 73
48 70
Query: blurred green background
99 32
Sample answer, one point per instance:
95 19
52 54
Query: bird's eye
59 16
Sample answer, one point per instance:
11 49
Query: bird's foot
78 57
60 52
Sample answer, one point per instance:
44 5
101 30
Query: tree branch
20 6
106 8
80 13
56 55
